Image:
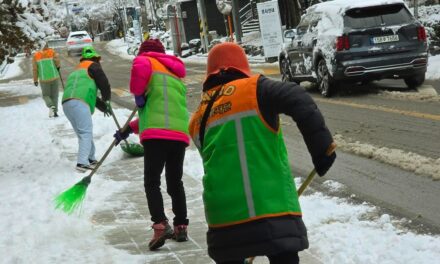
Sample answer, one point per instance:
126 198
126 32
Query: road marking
23 99
121 91
383 109
271 71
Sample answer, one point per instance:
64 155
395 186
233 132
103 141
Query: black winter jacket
271 236
97 74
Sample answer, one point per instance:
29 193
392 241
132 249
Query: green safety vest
47 70
81 86
166 101
247 173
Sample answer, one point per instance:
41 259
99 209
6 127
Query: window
377 16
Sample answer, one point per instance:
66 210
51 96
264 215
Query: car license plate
384 39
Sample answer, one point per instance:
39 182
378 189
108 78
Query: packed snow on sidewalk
35 168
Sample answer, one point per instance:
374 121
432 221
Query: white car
76 41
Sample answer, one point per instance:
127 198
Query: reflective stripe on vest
47 70
81 86
166 101
245 160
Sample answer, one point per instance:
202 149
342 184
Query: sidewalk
127 225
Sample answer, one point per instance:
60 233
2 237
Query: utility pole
68 15
203 24
236 19
416 9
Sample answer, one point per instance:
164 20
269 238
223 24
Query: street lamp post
68 22
416 9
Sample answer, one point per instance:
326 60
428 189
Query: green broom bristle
72 198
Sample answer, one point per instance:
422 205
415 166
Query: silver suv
362 41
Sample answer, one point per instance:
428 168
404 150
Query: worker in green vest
45 69
250 198
79 102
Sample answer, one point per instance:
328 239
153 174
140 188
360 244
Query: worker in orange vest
46 70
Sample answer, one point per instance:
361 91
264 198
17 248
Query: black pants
282 258
157 154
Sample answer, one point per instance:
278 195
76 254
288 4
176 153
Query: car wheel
415 81
285 70
324 80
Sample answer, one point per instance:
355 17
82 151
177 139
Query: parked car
76 41
356 41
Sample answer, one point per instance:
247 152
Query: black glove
108 109
323 163
122 135
36 83
103 106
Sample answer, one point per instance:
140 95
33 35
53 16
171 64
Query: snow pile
119 48
22 87
433 71
396 157
34 169
422 96
340 232
11 70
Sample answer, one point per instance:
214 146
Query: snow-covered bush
23 25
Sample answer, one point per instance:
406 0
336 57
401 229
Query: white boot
52 111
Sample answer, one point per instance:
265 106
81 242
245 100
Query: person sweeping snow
251 203
79 102
163 120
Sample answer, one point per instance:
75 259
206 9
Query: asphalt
125 219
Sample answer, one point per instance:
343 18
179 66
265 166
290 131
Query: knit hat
151 45
227 56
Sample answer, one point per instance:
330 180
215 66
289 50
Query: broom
301 189
71 199
130 148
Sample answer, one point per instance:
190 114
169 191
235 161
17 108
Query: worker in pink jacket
163 128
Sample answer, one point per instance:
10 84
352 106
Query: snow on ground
427 95
119 48
11 70
341 232
433 71
406 160
34 169
21 87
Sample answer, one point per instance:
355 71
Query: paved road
370 114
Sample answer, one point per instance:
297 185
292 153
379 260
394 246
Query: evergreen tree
22 26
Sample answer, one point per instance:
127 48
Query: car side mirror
290 34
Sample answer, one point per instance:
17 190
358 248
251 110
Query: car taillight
87 40
70 42
421 34
342 43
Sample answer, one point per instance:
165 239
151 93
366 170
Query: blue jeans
80 117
